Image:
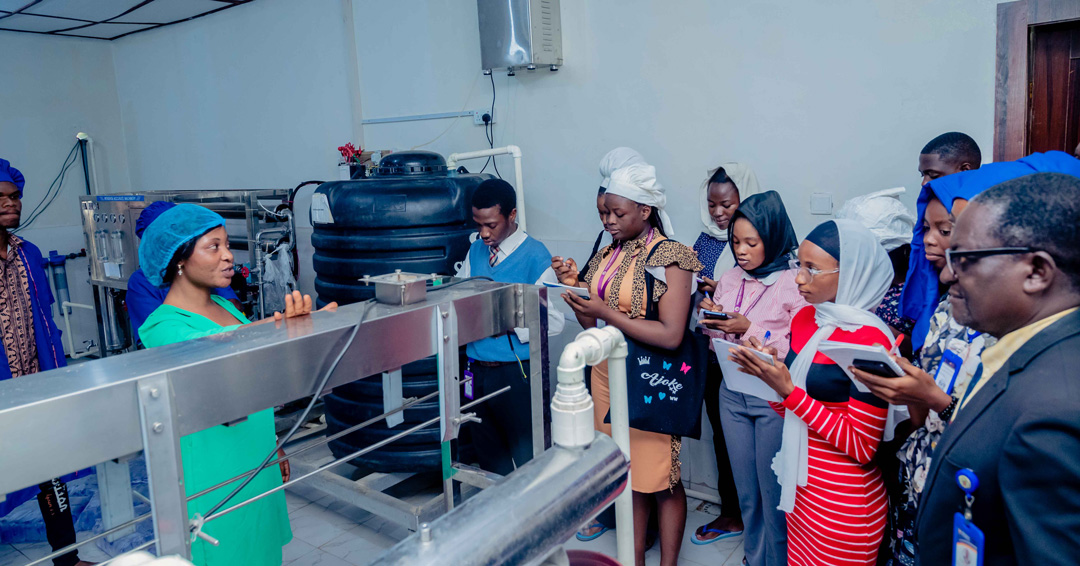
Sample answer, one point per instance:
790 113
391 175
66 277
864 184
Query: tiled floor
327 532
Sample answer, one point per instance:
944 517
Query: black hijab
767 214
827 237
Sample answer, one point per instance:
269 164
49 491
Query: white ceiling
102 19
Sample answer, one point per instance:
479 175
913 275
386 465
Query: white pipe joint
571 405
512 150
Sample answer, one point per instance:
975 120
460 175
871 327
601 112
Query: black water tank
412 215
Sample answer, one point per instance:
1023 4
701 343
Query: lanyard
739 299
605 280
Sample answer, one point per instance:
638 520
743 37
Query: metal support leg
117 501
536 313
392 397
99 309
161 444
446 338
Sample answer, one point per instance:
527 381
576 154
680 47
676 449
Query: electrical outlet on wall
478 116
821 203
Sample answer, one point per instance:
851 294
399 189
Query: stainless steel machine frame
70 418
109 228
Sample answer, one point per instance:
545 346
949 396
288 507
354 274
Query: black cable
69 161
491 138
303 417
64 167
50 195
292 193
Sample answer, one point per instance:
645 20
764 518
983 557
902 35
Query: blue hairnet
149 214
920 296
11 175
171 230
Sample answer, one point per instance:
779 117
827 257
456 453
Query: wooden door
1025 105
1054 103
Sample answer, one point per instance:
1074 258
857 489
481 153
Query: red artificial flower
349 152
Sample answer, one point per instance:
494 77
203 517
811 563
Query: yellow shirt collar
994 357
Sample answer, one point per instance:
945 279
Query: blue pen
768 333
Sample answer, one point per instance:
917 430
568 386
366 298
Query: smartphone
714 315
579 291
880 369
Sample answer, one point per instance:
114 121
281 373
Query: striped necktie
494 256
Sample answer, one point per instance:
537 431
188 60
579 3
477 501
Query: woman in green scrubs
188 247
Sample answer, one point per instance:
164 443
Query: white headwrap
884 214
865 276
745 181
638 183
616 159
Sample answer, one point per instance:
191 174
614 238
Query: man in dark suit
1015 262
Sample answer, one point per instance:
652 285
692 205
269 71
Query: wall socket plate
821 203
478 116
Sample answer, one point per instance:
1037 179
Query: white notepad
738 381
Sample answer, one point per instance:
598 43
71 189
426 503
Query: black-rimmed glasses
961 256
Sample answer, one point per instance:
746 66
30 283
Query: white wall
815 96
254 97
52 89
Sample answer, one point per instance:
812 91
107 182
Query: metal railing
70 418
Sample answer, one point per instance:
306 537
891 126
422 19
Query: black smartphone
716 315
880 369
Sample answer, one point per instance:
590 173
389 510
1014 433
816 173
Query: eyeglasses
963 258
810 271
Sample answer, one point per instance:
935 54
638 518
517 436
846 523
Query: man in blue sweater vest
506 254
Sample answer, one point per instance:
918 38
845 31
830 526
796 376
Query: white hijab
745 181
617 159
638 183
865 276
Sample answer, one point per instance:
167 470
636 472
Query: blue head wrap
9 174
920 296
171 230
149 214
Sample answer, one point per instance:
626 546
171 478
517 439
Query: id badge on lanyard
948 371
968 540
469 380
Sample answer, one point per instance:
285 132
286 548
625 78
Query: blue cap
11 175
149 214
171 230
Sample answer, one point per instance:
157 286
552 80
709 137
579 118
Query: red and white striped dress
839 517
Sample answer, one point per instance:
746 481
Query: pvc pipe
66 311
515 151
567 407
571 405
620 431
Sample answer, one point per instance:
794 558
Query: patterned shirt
889 310
16 314
708 250
965 345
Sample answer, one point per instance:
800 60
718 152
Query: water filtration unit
257 222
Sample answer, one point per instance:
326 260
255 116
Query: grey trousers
753 431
